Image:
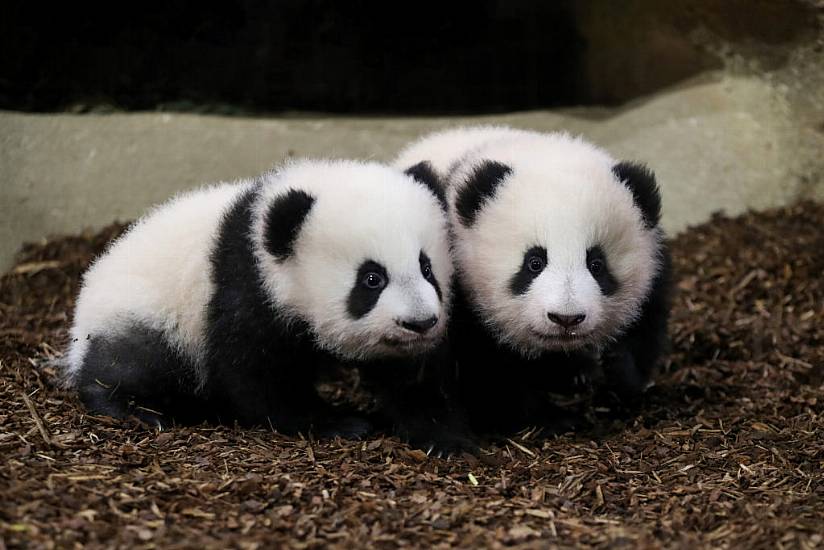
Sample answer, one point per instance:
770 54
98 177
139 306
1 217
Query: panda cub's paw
625 379
439 441
556 420
345 427
106 400
153 419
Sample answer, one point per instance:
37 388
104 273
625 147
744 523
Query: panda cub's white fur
558 193
233 295
158 274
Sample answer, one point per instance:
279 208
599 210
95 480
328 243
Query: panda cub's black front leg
624 376
285 399
630 364
433 427
338 421
413 405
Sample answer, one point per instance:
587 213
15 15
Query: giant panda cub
223 304
562 269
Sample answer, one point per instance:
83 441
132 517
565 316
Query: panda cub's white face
367 265
557 256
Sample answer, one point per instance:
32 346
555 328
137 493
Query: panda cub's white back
159 273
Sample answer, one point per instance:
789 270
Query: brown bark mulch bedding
726 450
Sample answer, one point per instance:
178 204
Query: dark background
251 56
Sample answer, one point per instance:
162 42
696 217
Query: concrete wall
718 142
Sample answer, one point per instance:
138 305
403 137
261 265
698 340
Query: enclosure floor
726 449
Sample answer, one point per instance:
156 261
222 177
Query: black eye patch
428 274
370 281
599 269
534 263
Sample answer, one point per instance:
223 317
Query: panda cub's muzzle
418 326
567 322
414 333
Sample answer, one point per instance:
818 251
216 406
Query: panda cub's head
359 252
557 243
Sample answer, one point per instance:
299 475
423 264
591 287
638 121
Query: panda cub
223 304
561 264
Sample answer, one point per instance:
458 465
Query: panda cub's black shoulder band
284 220
423 173
479 188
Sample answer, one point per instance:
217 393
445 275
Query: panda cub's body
223 304
562 269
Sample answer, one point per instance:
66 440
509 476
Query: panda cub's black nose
567 321
419 326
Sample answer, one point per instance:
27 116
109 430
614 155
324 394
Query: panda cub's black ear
283 221
640 180
425 174
479 188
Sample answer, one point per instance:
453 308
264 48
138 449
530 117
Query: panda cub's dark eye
596 266
535 264
426 266
373 281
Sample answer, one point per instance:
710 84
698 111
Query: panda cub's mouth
403 344
562 337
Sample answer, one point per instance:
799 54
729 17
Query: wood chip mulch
727 450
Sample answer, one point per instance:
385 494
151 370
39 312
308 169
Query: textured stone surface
721 142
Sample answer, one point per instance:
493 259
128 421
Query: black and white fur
223 304
562 267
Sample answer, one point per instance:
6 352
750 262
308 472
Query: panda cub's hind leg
138 374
